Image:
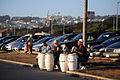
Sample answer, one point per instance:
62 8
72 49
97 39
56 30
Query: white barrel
63 62
49 61
72 62
41 61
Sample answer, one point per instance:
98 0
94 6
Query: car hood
18 44
12 43
98 46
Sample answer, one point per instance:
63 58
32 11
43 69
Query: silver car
112 50
11 45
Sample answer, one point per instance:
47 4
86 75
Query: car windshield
61 38
111 40
114 45
103 36
50 41
21 38
41 40
2 38
78 37
9 39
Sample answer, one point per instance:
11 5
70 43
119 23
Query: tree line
106 25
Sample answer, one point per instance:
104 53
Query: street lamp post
51 26
14 29
117 17
63 29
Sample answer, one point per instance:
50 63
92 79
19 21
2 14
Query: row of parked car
100 44
107 45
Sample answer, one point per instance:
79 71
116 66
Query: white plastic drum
49 61
72 62
63 62
41 61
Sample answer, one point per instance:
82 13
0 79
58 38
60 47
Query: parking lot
104 45
104 51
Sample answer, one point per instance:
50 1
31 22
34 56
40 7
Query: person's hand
76 51
51 51
80 53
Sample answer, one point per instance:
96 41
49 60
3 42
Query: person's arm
78 52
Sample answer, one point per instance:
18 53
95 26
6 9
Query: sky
39 8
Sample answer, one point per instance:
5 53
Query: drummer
65 49
44 49
56 50
82 53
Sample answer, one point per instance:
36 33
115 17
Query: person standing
26 47
30 41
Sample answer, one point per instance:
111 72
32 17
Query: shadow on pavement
103 65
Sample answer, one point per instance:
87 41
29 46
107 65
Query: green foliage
107 25
96 27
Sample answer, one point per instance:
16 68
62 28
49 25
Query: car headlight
102 49
88 45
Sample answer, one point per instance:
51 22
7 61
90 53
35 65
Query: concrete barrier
21 63
88 75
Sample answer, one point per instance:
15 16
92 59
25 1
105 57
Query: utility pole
85 22
113 23
117 17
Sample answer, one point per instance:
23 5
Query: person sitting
65 49
45 48
56 50
82 53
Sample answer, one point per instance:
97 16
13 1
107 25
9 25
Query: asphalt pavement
9 71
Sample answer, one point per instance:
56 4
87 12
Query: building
91 14
3 32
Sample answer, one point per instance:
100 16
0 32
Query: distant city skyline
39 8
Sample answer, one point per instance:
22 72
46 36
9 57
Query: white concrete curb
88 75
21 63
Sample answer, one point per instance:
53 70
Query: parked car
7 41
62 38
37 45
97 51
70 43
91 36
21 46
112 50
4 38
103 37
19 43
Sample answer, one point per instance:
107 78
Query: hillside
107 25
